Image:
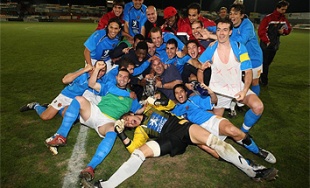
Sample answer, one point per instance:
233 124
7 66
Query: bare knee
258 107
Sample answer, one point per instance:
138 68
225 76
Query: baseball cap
169 11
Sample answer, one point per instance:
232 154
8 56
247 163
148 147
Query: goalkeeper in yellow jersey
172 136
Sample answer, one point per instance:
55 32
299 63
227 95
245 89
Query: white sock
129 168
230 154
232 105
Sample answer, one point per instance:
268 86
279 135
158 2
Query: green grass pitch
35 57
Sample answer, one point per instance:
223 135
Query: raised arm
68 78
92 82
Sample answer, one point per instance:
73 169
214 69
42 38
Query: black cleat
267 174
27 107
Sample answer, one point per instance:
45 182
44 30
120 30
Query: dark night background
262 6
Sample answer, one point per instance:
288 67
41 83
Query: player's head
156 36
158 66
282 6
223 29
151 47
102 70
171 48
123 78
126 63
137 3
223 12
196 26
136 39
131 120
236 14
193 12
171 16
151 14
141 51
180 93
193 48
114 27
118 7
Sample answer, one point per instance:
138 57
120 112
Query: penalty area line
76 162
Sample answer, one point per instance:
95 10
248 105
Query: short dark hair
198 21
116 20
138 36
155 30
224 20
125 62
123 70
142 45
282 3
194 6
172 41
119 3
238 7
192 41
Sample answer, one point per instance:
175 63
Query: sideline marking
76 162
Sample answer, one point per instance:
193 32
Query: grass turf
34 58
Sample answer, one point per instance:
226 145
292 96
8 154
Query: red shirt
103 22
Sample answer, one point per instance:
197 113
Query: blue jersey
246 35
238 49
99 45
77 86
178 62
161 50
136 18
195 109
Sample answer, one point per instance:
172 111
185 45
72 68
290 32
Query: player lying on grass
195 109
173 135
77 84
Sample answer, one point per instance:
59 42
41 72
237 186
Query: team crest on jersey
187 107
121 98
138 17
105 53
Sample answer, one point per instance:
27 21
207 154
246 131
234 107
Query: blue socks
103 149
256 89
252 147
39 109
249 120
69 118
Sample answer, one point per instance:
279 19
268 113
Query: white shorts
257 71
224 101
92 97
96 119
61 101
213 126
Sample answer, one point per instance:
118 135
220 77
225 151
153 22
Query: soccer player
270 29
173 135
101 117
77 84
159 39
153 20
135 17
227 60
117 11
101 42
195 109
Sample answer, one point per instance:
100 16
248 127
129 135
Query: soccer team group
169 78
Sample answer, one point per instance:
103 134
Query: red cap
169 11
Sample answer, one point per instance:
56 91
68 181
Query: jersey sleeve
140 137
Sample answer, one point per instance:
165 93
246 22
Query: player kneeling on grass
77 84
173 135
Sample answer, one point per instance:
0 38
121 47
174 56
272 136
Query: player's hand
88 68
100 65
119 126
240 96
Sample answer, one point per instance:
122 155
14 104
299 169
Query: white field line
76 162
